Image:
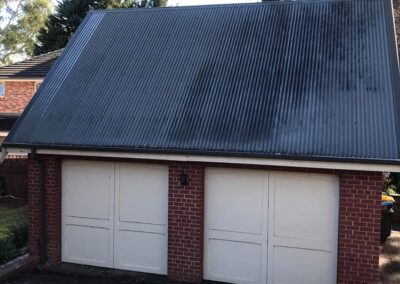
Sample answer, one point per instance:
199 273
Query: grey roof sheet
308 80
35 67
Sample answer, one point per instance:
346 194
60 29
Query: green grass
9 215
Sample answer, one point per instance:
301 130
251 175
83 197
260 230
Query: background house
250 149
18 84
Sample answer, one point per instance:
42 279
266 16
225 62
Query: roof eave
191 152
21 78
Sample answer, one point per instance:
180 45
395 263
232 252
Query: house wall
359 218
17 95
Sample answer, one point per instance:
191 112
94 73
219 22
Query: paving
66 273
389 259
81 274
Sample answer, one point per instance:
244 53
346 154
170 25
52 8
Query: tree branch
10 53
15 14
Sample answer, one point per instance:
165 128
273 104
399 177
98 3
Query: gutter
42 206
197 157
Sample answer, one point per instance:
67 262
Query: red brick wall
33 207
52 167
17 95
359 227
359 219
185 223
13 171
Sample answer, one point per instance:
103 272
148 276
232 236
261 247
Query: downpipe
42 208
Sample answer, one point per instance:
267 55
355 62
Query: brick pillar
359 227
33 206
185 224
52 167
53 208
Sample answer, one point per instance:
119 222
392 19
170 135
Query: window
2 89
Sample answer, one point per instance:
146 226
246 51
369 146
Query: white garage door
270 227
115 215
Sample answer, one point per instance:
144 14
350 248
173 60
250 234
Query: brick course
185 223
359 218
359 227
17 95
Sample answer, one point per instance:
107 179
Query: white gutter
214 159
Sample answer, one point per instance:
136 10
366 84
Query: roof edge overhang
16 78
316 162
4 115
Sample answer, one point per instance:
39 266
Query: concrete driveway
389 260
80 274
66 273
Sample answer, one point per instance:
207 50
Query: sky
197 2
206 2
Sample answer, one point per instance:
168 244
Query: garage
260 225
115 215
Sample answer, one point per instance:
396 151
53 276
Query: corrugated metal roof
35 67
297 79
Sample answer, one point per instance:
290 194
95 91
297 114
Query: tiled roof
35 67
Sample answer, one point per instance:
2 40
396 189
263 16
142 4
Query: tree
396 13
69 14
20 23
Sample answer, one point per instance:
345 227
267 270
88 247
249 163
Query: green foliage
18 233
392 183
9 215
20 22
13 231
17 238
69 14
7 250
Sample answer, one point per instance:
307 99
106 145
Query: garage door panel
143 188
87 183
87 245
115 215
310 196
235 237
302 266
304 243
87 212
228 200
144 251
140 241
235 261
236 202
293 233
87 222
304 232
140 227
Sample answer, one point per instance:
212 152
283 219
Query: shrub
7 250
18 233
